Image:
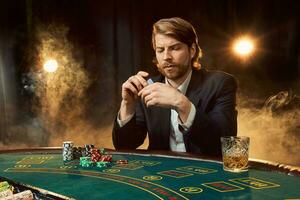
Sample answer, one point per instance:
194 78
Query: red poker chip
95 155
106 158
122 161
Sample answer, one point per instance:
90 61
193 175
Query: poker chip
85 153
68 150
122 162
102 164
77 152
86 162
95 155
85 159
87 150
106 158
88 147
91 146
102 151
89 156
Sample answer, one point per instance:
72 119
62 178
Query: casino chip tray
38 193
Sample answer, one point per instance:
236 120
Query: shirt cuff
121 123
189 120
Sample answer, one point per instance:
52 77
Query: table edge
253 163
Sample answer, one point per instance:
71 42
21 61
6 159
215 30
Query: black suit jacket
214 95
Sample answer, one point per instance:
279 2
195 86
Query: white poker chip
149 81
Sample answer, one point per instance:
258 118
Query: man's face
173 57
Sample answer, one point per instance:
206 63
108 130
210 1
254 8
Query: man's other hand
130 90
163 95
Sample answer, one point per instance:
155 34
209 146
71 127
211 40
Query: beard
174 72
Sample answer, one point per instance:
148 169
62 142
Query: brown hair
182 31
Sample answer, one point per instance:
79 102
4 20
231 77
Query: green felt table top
146 177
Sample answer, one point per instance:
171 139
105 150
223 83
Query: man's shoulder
204 74
214 78
216 75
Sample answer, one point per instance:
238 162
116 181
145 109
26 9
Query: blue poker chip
150 81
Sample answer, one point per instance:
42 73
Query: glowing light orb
50 65
243 46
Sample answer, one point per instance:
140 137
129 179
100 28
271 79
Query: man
186 109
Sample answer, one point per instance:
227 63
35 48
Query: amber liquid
235 163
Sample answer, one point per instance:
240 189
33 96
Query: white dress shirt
176 135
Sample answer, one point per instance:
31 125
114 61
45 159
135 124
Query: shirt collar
183 87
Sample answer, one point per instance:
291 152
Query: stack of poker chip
102 151
77 152
87 150
86 162
106 158
102 164
100 159
68 151
95 155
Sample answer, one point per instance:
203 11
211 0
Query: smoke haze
60 96
273 136
59 108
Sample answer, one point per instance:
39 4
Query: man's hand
130 90
163 95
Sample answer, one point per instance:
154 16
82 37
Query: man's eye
176 48
159 50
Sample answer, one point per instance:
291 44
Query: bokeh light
50 65
243 46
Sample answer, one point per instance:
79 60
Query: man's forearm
183 108
126 110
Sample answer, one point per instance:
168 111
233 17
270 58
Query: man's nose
167 55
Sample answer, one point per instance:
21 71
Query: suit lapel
195 86
193 93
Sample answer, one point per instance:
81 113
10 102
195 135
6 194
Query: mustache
164 65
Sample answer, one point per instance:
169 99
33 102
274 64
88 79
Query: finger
143 73
148 98
150 88
145 91
142 80
150 101
135 82
129 87
141 92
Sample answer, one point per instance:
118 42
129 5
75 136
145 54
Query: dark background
113 40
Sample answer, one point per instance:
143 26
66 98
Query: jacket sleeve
133 133
219 119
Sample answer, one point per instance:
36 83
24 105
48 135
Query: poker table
149 175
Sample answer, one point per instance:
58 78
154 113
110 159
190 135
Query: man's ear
193 50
